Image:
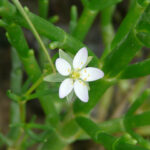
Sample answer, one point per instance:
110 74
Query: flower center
75 75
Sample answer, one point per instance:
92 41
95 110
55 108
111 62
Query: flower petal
81 90
80 58
91 74
63 67
65 87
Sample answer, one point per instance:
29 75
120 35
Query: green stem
54 33
138 102
6 8
107 29
43 8
84 23
39 94
16 81
26 85
4 140
34 86
90 11
117 125
102 137
22 111
107 26
17 114
73 18
15 34
131 4
24 14
130 21
31 66
121 53
112 70
136 70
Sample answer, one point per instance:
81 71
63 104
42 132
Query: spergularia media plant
48 78
77 75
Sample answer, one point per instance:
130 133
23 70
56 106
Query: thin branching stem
36 34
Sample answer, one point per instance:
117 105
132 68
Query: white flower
77 76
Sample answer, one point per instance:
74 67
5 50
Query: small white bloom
77 76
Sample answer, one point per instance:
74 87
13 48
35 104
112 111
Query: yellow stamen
75 75
83 84
85 79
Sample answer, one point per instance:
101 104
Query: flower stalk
36 34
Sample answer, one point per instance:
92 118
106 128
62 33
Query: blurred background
118 100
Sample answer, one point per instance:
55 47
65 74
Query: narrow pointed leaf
136 70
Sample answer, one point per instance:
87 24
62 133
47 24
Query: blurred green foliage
120 49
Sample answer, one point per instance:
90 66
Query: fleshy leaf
145 38
65 56
54 77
